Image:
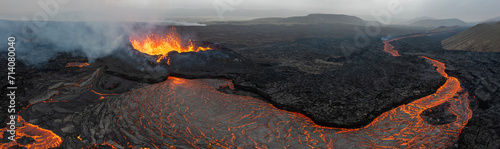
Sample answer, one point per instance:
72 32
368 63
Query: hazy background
39 39
160 10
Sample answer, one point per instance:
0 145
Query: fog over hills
493 20
439 22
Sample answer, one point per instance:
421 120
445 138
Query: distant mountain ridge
309 19
480 38
493 20
420 19
439 22
315 19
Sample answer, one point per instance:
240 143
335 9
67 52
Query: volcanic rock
121 68
351 96
208 64
25 140
439 115
69 128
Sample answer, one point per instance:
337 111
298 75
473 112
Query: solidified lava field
221 101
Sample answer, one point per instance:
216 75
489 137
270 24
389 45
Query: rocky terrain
269 92
327 89
480 38
324 94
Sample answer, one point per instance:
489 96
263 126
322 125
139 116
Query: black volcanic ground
350 92
350 95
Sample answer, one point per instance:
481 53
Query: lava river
194 114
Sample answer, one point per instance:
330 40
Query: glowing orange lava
440 66
390 49
161 45
77 64
43 138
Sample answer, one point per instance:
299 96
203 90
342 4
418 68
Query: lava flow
42 138
161 45
390 49
77 64
194 114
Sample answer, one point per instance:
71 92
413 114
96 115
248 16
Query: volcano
166 92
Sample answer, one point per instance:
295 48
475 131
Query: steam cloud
91 39
388 37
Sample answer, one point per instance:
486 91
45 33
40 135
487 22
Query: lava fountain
161 44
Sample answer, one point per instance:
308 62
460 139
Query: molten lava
43 138
77 64
161 45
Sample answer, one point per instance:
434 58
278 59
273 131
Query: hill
480 38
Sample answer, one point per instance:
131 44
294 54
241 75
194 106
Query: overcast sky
467 10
